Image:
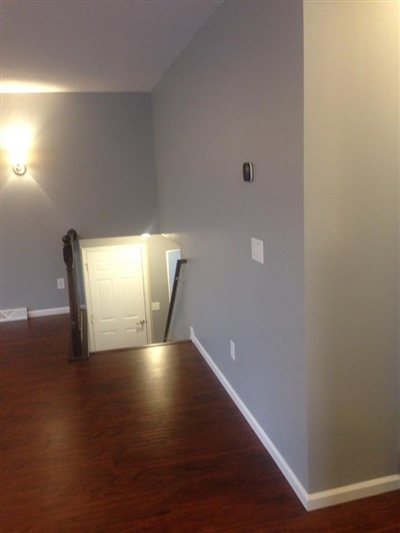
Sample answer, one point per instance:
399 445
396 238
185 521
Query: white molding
265 440
357 491
48 312
313 501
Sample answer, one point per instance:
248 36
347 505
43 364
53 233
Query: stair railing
179 264
78 348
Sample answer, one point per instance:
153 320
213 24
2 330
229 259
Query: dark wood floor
141 440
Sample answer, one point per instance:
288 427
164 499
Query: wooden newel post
76 351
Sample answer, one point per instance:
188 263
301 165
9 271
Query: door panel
106 298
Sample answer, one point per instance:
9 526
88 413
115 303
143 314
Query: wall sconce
18 142
19 168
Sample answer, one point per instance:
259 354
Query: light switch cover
257 250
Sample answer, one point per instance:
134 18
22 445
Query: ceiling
94 45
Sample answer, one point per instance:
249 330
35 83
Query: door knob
141 323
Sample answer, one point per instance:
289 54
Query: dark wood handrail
179 264
78 341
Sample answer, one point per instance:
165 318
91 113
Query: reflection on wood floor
140 440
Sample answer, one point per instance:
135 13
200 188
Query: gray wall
317 327
157 248
352 238
235 95
91 167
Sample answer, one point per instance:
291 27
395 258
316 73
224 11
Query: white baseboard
316 500
349 493
48 312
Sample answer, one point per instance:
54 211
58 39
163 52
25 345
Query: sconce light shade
19 169
18 142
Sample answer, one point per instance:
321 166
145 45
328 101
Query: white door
117 310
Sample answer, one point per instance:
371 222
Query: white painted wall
352 240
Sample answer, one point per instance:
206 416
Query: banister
179 264
78 340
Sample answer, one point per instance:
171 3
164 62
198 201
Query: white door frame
146 285
171 273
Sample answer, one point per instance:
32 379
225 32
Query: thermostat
248 171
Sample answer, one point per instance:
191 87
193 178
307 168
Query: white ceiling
94 45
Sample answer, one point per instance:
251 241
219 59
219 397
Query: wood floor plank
141 440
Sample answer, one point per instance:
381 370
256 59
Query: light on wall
17 142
